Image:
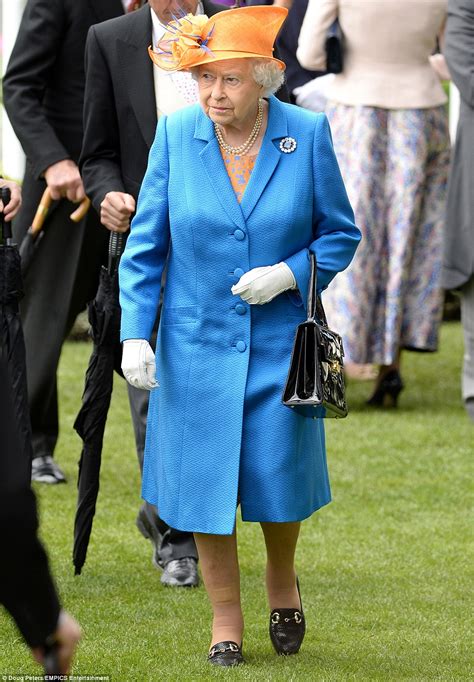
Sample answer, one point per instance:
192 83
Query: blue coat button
239 235
240 309
241 346
238 272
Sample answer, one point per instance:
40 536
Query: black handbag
315 384
334 49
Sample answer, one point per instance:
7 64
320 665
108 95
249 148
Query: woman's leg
220 571
281 539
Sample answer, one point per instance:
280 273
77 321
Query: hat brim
222 55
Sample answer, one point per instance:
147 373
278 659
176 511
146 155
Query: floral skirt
395 167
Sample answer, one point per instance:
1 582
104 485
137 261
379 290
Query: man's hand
116 210
67 636
13 206
64 180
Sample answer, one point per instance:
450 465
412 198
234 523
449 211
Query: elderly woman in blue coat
239 189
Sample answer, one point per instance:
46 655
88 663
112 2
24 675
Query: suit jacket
216 426
387 45
26 587
120 108
43 87
459 239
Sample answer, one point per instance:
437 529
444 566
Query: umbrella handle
116 247
43 208
5 196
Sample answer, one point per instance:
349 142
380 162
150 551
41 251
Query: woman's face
228 93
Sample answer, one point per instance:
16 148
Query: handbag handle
315 305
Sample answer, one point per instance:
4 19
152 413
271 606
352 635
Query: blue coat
217 429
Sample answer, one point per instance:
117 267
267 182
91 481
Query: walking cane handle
41 212
43 208
81 211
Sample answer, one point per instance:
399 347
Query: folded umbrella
104 318
32 238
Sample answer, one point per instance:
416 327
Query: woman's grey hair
269 75
265 73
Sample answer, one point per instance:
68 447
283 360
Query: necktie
133 5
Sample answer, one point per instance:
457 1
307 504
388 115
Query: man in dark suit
43 92
287 42
124 95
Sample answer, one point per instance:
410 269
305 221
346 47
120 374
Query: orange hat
233 34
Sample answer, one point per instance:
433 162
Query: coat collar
134 60
267 161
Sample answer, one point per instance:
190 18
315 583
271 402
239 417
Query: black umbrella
32 238
104 318
11 337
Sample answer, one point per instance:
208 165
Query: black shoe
387 392
45 470
181 573
150 532
227 654
287 629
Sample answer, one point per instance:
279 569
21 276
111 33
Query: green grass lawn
385 570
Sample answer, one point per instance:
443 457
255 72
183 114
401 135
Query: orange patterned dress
239 169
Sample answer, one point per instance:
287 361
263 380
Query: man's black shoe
181 573
45 470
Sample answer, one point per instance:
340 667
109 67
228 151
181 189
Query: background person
389 123
124 96
287 44
113 162
217 430
458 271
43 91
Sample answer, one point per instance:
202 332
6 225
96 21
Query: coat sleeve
100 157
143 261
319 16
336 235
459 47
29 71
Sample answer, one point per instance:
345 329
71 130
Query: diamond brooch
288 145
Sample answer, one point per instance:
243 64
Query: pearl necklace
242 149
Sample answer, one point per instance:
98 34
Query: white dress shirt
173 91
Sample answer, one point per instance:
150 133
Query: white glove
138 364
261 285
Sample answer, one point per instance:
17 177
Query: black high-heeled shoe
387 392
226 654
287 628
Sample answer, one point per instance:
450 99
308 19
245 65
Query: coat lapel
134 59
215 169
268 157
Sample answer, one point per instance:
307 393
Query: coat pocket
180 315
